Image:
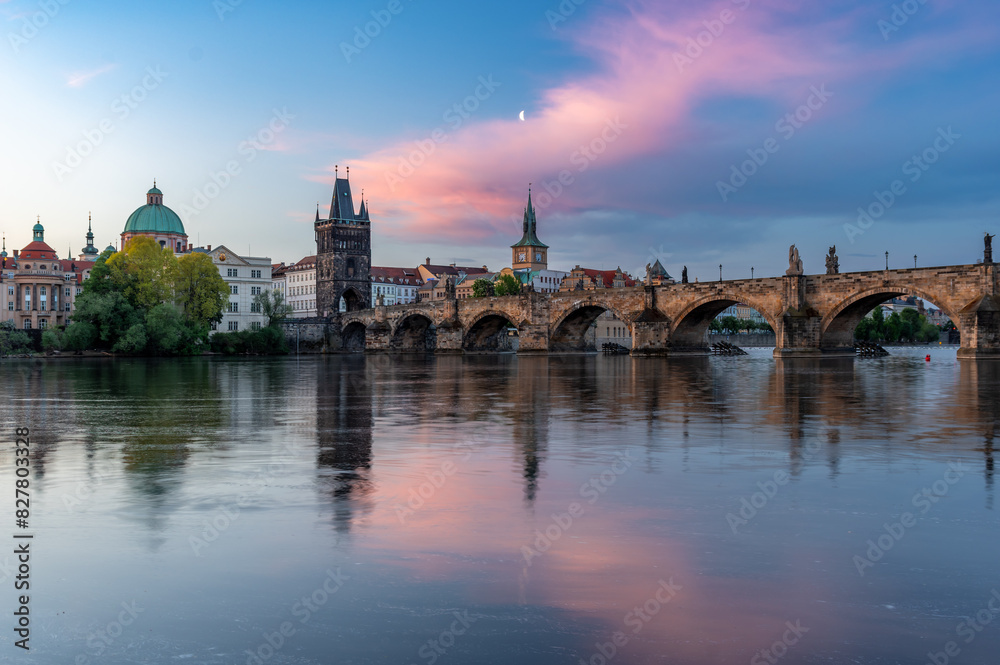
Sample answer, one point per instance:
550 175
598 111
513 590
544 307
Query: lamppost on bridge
914 261
887 260
720 272
751 272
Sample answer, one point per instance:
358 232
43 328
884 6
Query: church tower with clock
529 252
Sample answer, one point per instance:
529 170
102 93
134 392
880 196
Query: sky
697 133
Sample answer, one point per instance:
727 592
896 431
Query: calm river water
506 510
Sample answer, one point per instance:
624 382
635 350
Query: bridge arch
837 326
487 331
690 325
352 336
415 333
569 331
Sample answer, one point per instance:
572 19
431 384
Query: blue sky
203 81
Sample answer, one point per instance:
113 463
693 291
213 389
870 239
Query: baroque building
157 221
343 254
38 287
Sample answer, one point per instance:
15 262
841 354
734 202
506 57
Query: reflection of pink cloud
607 563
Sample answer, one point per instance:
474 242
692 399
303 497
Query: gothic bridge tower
343 254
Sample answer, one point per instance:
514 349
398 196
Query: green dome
110 248
154 219
38 227
154 191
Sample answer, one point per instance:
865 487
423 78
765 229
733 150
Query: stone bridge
811 314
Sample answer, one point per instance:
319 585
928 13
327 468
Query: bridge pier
449 338
979 324
650 338
532 339
378 337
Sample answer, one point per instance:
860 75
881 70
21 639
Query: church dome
154 217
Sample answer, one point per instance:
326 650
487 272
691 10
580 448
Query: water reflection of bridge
811 314
157 421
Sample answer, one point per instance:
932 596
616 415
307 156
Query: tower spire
317 211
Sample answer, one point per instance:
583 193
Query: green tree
482 288
200 290
110 314
714 326
80 335
507 285
273 306
730 324
99 280
168 333
133 341
13 340
144 272
52 339
893 327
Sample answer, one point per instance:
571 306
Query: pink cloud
639 102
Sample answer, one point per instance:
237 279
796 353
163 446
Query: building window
230 272
254 290
79 290
255 325
27 324
234 326
41 324
255 274
10 305
67 307
234 289
67 292
234 306
214 325
255 307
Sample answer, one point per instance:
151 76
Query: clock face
538 256
520 256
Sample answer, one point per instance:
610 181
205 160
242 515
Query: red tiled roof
308 260
607 277
395 275
37 250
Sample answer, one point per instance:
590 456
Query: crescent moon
521 116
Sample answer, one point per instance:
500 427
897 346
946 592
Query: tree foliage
145 300
13 340
507 285
907 326
482 288
266 341
144 272
273 306
734 325
201 292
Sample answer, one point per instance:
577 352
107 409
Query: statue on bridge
794 262
449 288
832 262
988 252
684 275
